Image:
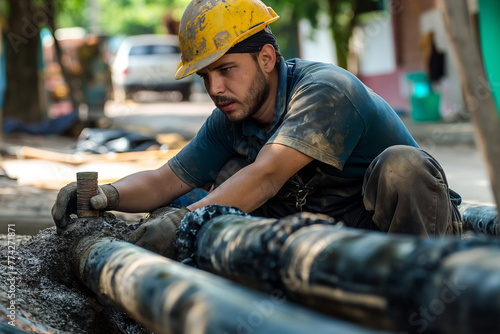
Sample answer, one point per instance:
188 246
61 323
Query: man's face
237 85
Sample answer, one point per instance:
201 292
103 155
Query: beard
256 95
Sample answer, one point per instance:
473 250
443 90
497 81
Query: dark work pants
406 190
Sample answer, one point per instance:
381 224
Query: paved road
451 144
466 172
156 116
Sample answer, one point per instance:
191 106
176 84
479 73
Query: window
155 49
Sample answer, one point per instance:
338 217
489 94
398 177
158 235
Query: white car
148 62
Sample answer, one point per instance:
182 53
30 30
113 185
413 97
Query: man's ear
267 57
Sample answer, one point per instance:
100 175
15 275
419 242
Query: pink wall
389 87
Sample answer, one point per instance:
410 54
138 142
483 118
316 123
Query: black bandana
255 42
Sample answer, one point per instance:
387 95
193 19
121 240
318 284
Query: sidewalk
454 147
441 133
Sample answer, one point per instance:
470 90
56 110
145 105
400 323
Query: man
286 136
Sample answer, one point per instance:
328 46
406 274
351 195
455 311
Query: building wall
2 72
374 46
411 21
2 79
406 22
452 104
386 58
405 16
490 43
387 49
317 44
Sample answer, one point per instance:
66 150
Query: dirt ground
39 292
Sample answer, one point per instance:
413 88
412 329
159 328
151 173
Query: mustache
222 100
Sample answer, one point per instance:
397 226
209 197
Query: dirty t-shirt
322 111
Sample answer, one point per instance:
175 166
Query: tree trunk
342 29
341 47
477 92
22 95
52 26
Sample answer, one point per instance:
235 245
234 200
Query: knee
404 164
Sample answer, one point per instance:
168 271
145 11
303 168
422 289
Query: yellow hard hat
209 28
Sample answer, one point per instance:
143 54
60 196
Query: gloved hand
158 232
65 205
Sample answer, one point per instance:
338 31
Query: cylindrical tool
86 188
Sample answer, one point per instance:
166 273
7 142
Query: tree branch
477 92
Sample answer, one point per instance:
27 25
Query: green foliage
285 30
71 13
310 9
344 15
120 17
131 16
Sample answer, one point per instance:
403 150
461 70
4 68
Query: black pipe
227 242
395 282
482 219
168 297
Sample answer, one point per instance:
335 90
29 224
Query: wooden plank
49 174
81 158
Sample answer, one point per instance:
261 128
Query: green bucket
425 109
424 102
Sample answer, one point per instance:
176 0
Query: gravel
39 292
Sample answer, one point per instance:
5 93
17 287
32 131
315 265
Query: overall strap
289 75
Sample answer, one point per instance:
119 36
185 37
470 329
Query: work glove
158 232
106 199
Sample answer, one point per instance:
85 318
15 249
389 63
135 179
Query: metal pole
168 297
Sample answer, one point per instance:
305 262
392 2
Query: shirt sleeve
202 158
322 123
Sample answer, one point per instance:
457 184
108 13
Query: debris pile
39 293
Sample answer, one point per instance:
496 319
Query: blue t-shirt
322 111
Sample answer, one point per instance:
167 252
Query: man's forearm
147 190
247 190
